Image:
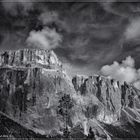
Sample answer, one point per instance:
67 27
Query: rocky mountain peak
109 92
30 57
80 80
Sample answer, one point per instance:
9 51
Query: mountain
110 94
31 83
115 106
36 92
30 58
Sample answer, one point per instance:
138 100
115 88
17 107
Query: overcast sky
85 36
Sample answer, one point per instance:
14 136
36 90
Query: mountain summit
30 57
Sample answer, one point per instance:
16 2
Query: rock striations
112 95
116 106
32 83
30 58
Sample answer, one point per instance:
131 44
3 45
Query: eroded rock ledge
30 58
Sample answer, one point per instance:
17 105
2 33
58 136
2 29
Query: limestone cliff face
109 105
30 58
109 96
31 84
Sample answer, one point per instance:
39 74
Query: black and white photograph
70 69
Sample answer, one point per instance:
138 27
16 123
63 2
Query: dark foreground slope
12 129
33 85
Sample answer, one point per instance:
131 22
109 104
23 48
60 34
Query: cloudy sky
87 37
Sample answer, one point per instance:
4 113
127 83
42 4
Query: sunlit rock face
30 57
106 92
31 85
109 107
109 96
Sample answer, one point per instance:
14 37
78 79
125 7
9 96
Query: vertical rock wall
110 94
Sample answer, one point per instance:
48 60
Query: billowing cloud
128 62
124 71
46 38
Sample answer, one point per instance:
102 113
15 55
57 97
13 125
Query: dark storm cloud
95 35
92 34
18 18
